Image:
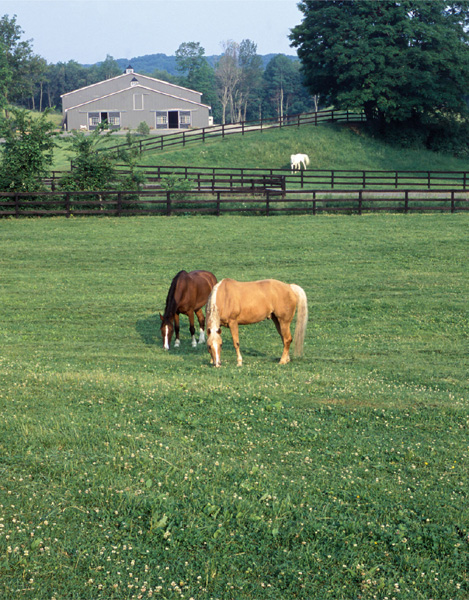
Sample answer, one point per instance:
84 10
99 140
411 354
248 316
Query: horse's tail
301 319
306 159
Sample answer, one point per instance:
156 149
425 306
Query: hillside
328 146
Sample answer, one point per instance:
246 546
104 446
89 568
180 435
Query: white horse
297 161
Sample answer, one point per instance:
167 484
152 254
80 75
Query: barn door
173 119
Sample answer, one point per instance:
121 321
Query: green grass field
128 472
328 146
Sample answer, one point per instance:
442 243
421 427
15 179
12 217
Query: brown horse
187 294
234 303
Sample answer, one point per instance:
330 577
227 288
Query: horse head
214 344
166 329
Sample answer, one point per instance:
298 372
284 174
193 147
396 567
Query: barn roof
126 75
133 89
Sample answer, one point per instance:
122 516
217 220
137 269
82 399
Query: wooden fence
243 201
203 134
230 178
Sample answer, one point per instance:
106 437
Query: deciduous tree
394 59
27 152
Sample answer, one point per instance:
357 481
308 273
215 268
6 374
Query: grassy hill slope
329 146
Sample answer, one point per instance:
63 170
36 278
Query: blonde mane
213 316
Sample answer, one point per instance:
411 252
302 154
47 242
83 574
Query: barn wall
134 106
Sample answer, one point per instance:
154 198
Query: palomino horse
187 294
297 161
234 303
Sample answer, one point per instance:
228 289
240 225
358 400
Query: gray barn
130 99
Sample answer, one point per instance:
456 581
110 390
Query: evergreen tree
396 60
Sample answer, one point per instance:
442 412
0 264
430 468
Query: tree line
237 87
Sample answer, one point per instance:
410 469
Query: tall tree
282 85
16 55
393 59
107 69
228 74
197 74
190 58
250 64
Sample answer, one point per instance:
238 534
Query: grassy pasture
329 146
128 472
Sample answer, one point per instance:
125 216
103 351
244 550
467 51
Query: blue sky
88 30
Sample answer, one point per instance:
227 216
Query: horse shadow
149 329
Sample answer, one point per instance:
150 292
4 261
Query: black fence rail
243 201
222 177
203 134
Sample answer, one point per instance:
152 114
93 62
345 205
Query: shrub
143 128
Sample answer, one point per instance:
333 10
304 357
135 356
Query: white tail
301 319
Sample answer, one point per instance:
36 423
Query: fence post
119 204
314 203
218 204
360 198
17 206
453 206
406 202
168 204
267 203
67 205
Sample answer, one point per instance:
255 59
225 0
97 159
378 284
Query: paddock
120 455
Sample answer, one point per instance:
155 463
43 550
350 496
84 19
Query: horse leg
233 325
201 318
190 314
283 327
177 341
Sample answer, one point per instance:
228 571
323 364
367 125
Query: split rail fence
203 134
231 178
223 178
242 201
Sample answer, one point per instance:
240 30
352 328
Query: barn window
138 101
93 120
161 119
184 119
114 119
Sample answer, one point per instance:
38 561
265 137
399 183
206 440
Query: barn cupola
129 70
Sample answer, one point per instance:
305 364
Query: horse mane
170 302
213 316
